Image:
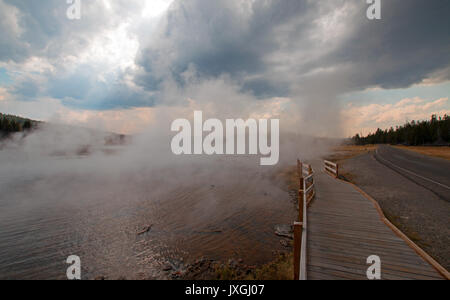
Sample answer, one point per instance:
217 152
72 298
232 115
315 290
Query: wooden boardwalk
345 228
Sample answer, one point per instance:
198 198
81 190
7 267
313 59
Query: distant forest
436 131
11 124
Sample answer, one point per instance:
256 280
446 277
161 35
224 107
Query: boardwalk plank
392 265
344 228
361 268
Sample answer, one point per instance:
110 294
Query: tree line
12 124
435 131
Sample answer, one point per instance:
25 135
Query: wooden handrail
332 168
330 163
306 194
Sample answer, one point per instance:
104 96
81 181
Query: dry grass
345 152
441 152
282 268
288 176
348 151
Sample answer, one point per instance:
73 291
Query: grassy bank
282 268
342 153
440 152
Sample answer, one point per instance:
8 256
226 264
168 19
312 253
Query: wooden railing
331 168
305 196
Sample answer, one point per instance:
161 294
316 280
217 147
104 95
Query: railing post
301 190
299 168
337 171
298 229
301 197
302 202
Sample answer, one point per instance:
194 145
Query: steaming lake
94 207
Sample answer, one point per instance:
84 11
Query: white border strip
410 172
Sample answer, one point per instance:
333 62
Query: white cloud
129 53
365 119
155 8
2 94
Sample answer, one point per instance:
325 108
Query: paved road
428 172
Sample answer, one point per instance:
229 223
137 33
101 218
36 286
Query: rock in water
284 243
284 231
145 229
167 268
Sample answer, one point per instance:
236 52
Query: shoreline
280 267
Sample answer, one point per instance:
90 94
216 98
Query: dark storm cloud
307 50
218 37
410 42
81 89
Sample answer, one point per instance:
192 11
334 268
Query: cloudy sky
127 61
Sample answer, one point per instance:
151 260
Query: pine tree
435 130
7 126
27 125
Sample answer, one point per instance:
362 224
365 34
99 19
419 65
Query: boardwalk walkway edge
400 234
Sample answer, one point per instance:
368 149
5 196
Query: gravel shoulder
419 213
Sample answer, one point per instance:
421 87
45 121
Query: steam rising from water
65 192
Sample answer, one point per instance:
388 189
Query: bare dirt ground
419 213
341 153
441 152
